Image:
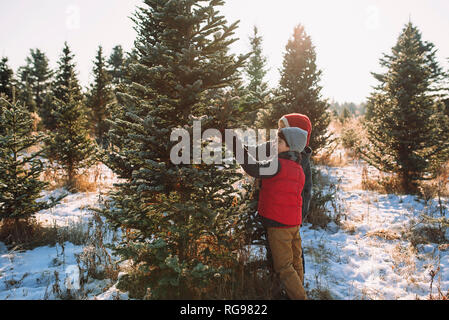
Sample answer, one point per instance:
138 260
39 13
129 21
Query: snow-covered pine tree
6 78
299 86
405 122
98 99
64 87
20 185
177 219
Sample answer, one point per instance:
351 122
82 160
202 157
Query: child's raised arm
250 162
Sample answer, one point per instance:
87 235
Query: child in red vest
280 206
303 122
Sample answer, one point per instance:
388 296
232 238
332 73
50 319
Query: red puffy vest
280 197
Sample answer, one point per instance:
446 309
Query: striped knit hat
294 137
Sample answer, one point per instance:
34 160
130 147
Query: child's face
282 146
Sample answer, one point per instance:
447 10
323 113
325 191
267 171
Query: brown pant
285 245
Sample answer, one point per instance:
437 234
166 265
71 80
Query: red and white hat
300 121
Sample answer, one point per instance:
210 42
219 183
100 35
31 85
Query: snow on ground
355 261
71 209
46 273
31 275
75 207
358 262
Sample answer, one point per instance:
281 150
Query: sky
349 36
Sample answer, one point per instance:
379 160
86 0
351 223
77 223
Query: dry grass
331 156
318 218
438 187
55 178
24 233
434 272
392 184
325 205
442 180
425 235
384 234
349 227
27 234
250 280
36 120
83 182
321 257
95 262
403 258
352 135
384 184
345 148
331 159
439 296
320 294
247 279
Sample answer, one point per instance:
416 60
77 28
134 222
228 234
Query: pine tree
6 78
65 116
300 89
20 186
64 88
345 115
446 100
256 70
35 80
116 65
99 97
69 145
178 218
406 125
66 85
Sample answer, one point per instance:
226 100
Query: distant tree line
347 109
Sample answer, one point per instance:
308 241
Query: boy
303 122
280 206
